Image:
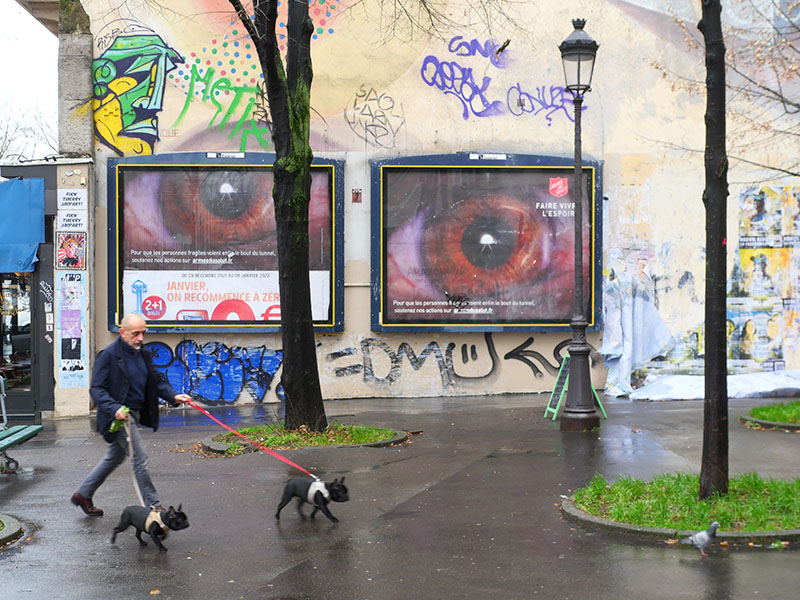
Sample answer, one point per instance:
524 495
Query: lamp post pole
579 409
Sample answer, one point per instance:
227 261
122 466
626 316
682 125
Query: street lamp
578 52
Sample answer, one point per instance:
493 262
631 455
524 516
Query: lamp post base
579 413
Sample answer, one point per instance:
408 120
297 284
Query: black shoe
86 504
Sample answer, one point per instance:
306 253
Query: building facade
441 217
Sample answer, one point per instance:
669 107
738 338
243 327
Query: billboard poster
197 244
475 246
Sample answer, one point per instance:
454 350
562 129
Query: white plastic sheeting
747 385
633 331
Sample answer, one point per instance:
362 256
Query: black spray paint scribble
444 360
374 117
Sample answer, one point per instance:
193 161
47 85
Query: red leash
256 444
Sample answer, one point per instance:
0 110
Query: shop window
15 330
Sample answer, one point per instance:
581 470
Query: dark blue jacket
110 386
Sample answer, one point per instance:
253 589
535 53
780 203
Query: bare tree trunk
289 96
714 464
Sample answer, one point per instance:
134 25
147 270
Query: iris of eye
225 197
488 242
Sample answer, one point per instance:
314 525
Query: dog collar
317 486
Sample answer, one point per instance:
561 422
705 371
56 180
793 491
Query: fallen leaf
672 540
723 543
155 592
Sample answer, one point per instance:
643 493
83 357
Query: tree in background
763 81
714 462
287 102
26 136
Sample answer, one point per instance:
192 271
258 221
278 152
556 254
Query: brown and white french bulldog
155 522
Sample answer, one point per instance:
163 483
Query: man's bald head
132 330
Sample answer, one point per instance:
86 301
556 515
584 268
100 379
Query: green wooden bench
14 436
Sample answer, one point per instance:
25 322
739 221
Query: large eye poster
478 246
197 245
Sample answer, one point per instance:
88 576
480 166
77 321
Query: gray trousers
117 451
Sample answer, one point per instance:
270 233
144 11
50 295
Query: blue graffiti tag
553 100
216 373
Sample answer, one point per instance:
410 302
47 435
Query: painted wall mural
129 79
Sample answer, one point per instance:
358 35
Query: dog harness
155 517
317 486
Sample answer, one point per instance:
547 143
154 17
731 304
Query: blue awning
21 223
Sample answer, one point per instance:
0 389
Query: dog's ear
342 481
180 507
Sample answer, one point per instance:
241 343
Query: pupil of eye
226 194
488 242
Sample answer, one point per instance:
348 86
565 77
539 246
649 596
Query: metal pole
579 410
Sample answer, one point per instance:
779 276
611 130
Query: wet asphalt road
466 509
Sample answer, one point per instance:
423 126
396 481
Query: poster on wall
195 243
460 243
71 250
71 318
764 286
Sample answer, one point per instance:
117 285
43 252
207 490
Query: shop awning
21 223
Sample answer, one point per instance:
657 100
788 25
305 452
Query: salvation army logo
559 186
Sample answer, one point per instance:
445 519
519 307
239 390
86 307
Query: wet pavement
467 508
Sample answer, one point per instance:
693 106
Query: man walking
124 376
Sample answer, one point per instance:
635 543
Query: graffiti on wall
374 117
238 106
128 91
372 349
217 373
453 78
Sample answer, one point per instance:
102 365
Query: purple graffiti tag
488 49
453 79
553 100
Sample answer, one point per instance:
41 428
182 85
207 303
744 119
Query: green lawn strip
277 437
670 501
778 413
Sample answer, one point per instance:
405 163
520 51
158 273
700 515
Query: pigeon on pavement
702 539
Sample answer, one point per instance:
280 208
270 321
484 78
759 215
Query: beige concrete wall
636 121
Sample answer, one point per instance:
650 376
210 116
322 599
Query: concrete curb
769 424
209 445
11 530
733 537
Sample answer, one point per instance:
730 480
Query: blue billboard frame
335 321
464 160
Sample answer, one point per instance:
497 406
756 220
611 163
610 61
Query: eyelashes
218 209
485 246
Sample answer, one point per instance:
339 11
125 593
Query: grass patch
277 437
670 501
778 413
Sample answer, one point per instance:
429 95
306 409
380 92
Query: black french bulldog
156 523
315 492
